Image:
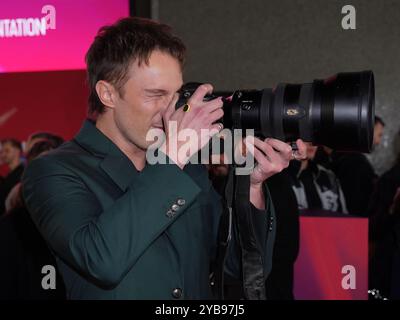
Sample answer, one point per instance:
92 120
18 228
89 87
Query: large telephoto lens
337 112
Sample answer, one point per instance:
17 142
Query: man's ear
106 93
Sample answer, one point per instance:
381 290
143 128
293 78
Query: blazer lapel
115 163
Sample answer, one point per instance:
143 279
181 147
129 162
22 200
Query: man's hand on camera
272 156
200 115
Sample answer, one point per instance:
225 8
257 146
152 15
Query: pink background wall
77 22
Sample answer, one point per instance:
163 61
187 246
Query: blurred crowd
23 252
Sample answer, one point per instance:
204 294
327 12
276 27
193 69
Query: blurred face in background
9 153
378 133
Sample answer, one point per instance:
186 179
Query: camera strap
237 222
224 237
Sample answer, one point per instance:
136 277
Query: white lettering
172 310
349 280
49 280
50 16
349 20
29 27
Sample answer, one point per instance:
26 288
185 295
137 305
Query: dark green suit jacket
112 228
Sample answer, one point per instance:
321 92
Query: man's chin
152 145
155 136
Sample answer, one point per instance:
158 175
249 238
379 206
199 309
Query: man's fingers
216 115
267 149
201 92
216 128
262 149
171 108
279 145
301 152
213 105
268 157
264 164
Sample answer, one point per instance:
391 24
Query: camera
337 112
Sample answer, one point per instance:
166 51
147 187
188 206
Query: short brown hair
13 142
117 46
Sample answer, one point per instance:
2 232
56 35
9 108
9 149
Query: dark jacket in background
381 200
357 178
384 234
279 284
8 183
23 253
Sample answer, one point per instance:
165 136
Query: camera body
337 112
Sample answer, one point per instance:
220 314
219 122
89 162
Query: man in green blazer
120 227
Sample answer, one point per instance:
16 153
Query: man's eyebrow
156 91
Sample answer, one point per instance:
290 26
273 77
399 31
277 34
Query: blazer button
175 207
170 213
180 201
177 293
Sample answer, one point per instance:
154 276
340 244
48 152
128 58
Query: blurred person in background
42 136
280 282
55 141
395 276
23 252
11 154
384 233
356 174
316 187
